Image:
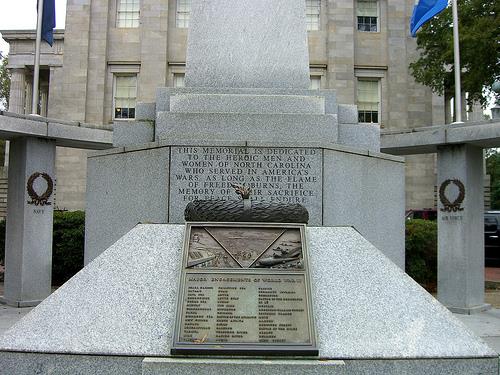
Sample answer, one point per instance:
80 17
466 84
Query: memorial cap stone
248 44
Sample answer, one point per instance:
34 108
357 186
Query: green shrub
421 252
67 246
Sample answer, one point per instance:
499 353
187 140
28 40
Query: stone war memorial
204 294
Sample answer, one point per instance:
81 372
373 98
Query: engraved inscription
244 289
244 308
286 175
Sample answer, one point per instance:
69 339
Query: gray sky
21 15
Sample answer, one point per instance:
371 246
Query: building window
312 14
128 13
367 15
179 80
368 101
182 14
315 83
125 94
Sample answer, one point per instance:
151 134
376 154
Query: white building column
17 90
44 99
461 228
28 241
29 95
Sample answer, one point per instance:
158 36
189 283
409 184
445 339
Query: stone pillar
461 228
28 243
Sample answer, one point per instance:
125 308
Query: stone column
17 90
28 243
29 96
44 99
461 228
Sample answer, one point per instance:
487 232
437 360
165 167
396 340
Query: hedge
421 252
67 245
69 234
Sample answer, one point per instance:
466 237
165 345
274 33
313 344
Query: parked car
492 238
424 213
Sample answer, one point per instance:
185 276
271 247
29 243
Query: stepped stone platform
117 316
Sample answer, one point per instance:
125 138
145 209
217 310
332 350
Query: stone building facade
114 53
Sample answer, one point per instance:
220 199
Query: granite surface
163 366
247 103
122 190
264 44
127 133
164 94
145 111
63 364
374 207
246 127
348 114
363 136
167 366
123 303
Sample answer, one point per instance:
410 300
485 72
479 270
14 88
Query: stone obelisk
248 44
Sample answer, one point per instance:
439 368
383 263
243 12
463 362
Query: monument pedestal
369 315
28 243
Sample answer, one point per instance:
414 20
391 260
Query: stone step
231 103
163 94
246 127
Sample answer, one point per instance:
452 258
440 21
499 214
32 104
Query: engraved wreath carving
455 205
40 200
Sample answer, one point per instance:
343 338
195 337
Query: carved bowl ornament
40 200
450 206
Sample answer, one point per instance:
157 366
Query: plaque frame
286 349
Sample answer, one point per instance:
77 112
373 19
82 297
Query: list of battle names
252 309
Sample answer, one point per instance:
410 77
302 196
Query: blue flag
424 11
48 21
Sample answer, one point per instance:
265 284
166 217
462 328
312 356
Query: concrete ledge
247 103
209 366
64 364
66 134
425 140
180 366
470 310
250 127
9 302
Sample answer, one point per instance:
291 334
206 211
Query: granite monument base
338 185
119 312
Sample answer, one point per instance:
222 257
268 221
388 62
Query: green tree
479 27
493 169
4 82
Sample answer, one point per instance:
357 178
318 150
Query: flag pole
36 70
456 58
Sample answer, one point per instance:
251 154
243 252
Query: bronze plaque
244 290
